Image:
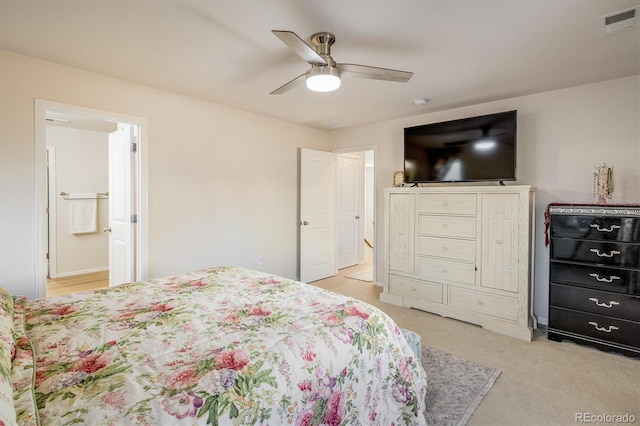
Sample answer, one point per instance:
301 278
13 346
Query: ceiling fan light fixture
484 144
323 79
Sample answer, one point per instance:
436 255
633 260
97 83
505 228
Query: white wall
81 165
222 183
562 135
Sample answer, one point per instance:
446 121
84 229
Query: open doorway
78 203
336 212
91 187
356 213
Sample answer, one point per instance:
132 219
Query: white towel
83 213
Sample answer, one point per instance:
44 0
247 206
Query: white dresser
464 252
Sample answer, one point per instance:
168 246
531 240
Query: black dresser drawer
594 301
594 276
604 253
624 229
596 326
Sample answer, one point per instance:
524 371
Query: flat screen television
470 149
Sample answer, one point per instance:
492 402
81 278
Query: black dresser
594 276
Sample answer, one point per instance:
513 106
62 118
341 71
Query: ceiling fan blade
301 48
290 85
374 73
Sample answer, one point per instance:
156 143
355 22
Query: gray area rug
455 387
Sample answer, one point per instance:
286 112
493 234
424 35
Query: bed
224 345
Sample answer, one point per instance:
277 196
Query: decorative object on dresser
463 252
603 183
594 276
398 178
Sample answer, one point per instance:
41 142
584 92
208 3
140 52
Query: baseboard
81 272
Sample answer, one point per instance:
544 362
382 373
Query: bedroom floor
84 282
542 382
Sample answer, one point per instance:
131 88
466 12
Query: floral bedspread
226 346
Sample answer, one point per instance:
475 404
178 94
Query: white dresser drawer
464 204
499 306
447 247
403 286
447 226
437 270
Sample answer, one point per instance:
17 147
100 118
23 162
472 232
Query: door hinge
134 218
134 147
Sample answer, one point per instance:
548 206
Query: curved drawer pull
605 329
613 228
604 280
610 254
603 304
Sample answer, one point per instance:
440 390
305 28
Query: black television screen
479 148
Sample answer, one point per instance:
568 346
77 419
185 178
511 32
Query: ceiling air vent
618 21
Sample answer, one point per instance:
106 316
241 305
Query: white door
121 226
317 215
350 171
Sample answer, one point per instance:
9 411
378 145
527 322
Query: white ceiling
461 52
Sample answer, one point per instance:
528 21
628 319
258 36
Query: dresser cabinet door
500 241
402 232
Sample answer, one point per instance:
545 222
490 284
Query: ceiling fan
324 74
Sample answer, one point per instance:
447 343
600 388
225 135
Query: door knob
357 217
106 229
305 223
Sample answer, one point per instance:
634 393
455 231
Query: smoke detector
618 21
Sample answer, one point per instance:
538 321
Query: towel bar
78 196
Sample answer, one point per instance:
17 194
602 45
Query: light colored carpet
542 382
362 275
455 387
